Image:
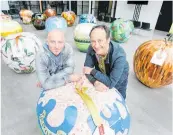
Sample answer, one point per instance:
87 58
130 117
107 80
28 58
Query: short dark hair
106 29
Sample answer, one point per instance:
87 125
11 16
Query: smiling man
55 65
105 64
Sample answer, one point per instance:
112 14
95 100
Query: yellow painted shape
90 105
17 30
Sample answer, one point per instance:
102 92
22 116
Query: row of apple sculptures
27 15
69 16
39 19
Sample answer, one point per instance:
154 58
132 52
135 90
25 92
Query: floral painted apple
19 51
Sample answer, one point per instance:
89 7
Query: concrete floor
151 109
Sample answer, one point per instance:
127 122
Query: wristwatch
90 78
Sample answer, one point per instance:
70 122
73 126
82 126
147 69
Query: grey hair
104 27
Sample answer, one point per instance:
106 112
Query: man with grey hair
105 64
55 65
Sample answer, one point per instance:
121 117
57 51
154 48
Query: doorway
74 6
102 9
165 17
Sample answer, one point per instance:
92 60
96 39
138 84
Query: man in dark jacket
105 64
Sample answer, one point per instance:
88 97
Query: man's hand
79 84
75 77
39 84
100 86
87 70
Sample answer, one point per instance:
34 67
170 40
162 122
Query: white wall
149 13
85 7
124 10
4 5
